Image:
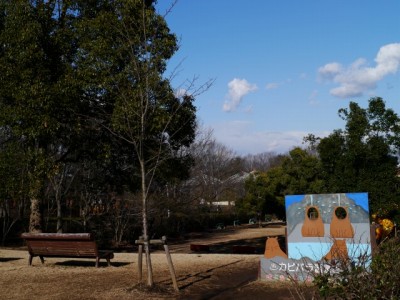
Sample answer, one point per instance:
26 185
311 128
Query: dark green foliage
298 173
83 98
303 173
35 98
362 158
260 196
123 51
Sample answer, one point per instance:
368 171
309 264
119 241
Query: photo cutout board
328 226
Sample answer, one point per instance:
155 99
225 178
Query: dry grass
200 276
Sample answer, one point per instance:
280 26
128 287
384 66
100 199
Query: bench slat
57 236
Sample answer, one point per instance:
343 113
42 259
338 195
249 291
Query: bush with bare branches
376 277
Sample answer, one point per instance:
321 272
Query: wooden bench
80 245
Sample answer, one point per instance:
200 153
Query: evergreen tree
362 158
36 100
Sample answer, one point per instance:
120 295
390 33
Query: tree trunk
150 281
59 216
35 221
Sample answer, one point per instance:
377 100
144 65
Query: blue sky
282 68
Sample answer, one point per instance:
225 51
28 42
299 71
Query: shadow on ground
243 246
77 263
6 259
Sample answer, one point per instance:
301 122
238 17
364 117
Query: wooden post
148 262
143 242
170 265
140 258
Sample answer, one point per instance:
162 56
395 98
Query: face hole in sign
312 213
340 213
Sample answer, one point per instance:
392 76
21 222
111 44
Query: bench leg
97 261
108 261
41 259
30 259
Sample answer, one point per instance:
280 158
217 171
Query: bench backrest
61 244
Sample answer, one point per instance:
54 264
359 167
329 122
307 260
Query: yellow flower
387 225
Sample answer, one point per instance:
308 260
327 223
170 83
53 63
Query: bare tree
216 174
60 183
136 103
262 162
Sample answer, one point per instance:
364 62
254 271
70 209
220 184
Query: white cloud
238 88
359 77
238 136
180 93
259 142
329 71
272 85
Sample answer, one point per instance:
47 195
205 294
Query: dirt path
231 236
199 275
